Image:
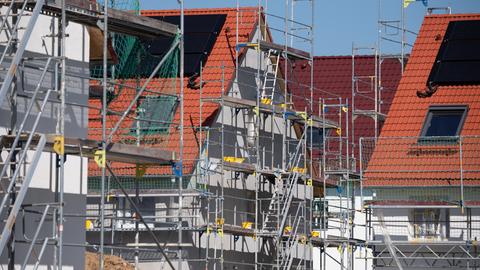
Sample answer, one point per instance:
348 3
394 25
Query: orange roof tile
405 162
221 54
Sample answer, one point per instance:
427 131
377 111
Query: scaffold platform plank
290 52
240 103
90 13
117 193
370 113
335 241
115 151
277 49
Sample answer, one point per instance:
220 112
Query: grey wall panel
77 86
74 230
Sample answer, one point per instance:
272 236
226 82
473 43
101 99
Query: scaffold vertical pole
104 135
180 182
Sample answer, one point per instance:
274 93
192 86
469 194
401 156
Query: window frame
149 130
424 226
443 108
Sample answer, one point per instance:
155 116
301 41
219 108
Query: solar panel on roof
458 60
201 32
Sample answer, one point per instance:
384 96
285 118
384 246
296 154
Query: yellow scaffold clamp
59 145
310 122
220 232
247 225
298 170
287 229
234 159
99 157
345 109
303 115
140 170
266 100
209 230
310 182
88 224
303 239
283 105
340 249
339 131
315 234
220 221
256 110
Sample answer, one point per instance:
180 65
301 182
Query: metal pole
62 133
402 57
137 179
104 133
256 119
462 199
180 180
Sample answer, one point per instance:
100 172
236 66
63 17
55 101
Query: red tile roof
223 53
333 78
404 161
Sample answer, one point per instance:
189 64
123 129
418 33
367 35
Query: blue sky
338 23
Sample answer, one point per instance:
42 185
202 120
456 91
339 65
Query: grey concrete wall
42 44
73 233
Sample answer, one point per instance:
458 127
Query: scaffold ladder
388 240
270 76
288 244
277 213
14 45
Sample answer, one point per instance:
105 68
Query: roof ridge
342 56
432 16
142 11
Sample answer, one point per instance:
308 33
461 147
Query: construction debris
111 262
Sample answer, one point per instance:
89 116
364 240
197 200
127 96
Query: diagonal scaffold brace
139 215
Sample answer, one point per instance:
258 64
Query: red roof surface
405 162
221 53
333 78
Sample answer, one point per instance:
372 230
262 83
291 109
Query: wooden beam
90 13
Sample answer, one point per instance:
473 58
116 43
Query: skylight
444 121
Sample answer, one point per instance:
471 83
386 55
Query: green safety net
141 63
122 44
134 61
156 113
145 182
156 107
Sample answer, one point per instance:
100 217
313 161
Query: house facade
421 176
357 82
237 153
41 54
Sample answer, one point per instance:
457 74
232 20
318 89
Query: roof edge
145 12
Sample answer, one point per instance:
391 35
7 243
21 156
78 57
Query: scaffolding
276 171
428 227
23 146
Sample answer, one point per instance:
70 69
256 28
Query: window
458 59
444 121
426 223
320 221
316 136
155 115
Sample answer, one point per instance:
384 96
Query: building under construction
215 139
